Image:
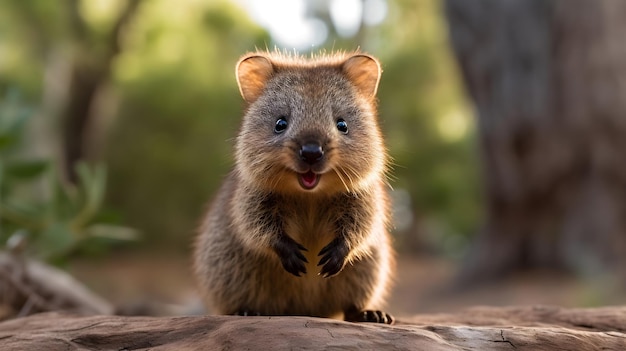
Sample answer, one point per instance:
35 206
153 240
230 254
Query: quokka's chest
313 225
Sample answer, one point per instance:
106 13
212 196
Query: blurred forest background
505 120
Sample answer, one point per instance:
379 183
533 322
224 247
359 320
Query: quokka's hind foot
369 316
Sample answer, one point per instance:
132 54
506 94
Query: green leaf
26 169
23 214
62 203
92 185
56 240
7 140
13 118
112 232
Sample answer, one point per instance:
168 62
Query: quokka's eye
342 126
280 126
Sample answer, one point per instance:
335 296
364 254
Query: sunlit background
165 110
303 25
117 124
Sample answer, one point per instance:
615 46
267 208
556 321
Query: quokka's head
311 124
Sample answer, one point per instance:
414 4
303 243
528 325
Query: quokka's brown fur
300 226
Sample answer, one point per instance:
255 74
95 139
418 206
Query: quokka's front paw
333 257
290 255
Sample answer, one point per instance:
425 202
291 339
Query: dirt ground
163 285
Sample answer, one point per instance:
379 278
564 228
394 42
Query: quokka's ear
253 71
364 72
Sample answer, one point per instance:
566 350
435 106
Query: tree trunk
91 70
84 86
548 79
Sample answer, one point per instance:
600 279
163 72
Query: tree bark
530 328
91 70
548 79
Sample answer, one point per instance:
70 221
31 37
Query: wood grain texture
484 328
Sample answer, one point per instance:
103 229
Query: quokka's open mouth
309 180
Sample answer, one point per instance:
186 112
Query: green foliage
170 147
54 218
429 124
179 109
171 144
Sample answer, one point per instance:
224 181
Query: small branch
116 34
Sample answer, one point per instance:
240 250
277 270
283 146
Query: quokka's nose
311 152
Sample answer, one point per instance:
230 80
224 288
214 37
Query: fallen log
485 328
28 286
